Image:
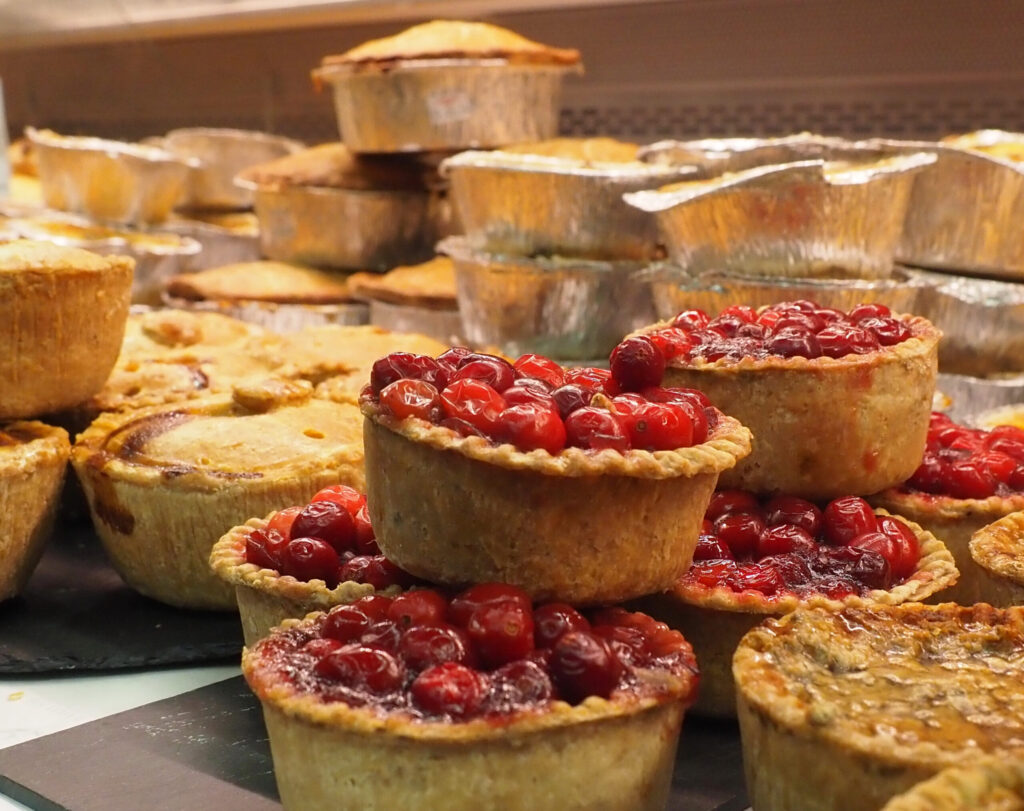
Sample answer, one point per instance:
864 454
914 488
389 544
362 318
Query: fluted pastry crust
997 551
989 786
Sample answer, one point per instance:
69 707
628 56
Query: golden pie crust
714 620
579 526
587 150
163 333
262 281
997 551
33 458
990 786
266 597
615 754
430 284
164 483
453 39
842 710
825 427
62 317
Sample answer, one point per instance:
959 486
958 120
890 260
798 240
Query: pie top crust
30 256
239 223
988 786
600 150
453 39
999 547
946 508
431 284
935 571
725 446
904 685
162 333
27 444
262 281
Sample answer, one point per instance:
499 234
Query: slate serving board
77 614
208 749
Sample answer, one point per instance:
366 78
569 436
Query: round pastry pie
160 333
967 479
422 701
61 320
33 458
842 710
164 483
997 552
304 558
758 559
539 476
838 402
989 786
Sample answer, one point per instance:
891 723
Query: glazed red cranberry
741 532
370 669
888 331
552 620
793 510
265 548
583 665
376 570
931 475
657 394
594 379
727 324
872 569
741 311
310 559
342 495
419 607
400 365
793 343
529 395
321 646
909 547
383 635
282 521
628 644
862 311
727 502
595 428
522 683
756 577
839 340
474 402
672 342
830 315
661 427
411 398
711 547
835 587
711 573
783 538
637 363
449 689
691 320
847 517
461 427
539 367
571 397
424 646
970 480
1011 445
1016 480
800 321
327 521
366 539
348 622
533 427
501 633
463 605
450 359
494 371
998 464
792 568
881 544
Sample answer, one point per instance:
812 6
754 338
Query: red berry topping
474 402
661 427
342 495
421 607
348 622
529 395
449 689
727 502
596 429
637 363
411 398
310 559
793 510
740 531
583 664
590 378
521 683
541 368
366 539
533 427
553 620
265 547
571 397
376 570
907 544
282 521
847 517
362 668
327 521
782 538
400 365
691 320
424 646
484 594
501 633
494 371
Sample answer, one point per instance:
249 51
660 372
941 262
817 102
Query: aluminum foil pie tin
444 104
219 246
558 306
277 317
441 324
977 401
806 219
109 181
222 154
535 204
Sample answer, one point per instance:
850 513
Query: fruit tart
838 402
426 701
539 476
759 558
164 483
988 786
840 710
967 479
33 458
304 558
997 553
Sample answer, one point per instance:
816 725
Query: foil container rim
327 191
722 147
188 227
940 148
183 245
236 133
984 137
219 305
545 164
143 153
666 271
461 249
342 71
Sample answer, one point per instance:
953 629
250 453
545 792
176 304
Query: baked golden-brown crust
869 412
265 280
62 316
989 786
165 332
33 458
884 696
453 39
430 284
334 166
589 150
997 551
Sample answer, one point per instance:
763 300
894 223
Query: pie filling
786 545
485 653
536 404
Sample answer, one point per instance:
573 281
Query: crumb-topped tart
62 316
757 558
304 558
466 702
967 479
997 551
544 477
33 458
838 402
988 786
165 482
843 709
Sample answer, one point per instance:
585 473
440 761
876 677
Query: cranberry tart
304 558
164 483
840 710
838 402
759 558
539 476
481 700
967 479
989 786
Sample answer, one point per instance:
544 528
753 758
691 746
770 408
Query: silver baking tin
347 228
218 246
560 307
530 204
279 317
971 398
222 154
714 156
800 219
444 325
109 181
438 104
